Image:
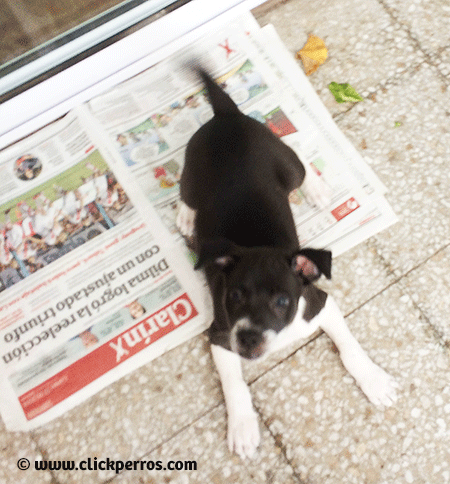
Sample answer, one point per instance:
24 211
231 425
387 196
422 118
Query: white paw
316 191
185 220
243 435
379 387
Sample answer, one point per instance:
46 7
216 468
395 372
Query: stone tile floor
317 427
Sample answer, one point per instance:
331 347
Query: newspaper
95 279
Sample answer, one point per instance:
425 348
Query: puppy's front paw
243 435
316 190
185 220
379 387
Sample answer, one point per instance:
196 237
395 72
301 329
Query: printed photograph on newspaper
57 216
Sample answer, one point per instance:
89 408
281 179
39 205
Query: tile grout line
397 278
406 28
281 446
438 335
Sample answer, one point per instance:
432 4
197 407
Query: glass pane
28 23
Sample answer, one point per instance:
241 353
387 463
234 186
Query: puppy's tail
221 102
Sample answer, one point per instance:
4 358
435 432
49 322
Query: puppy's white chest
298 329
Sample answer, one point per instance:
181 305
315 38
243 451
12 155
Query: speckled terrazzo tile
14 448
333 434
406 134
137 413
205 443
365 47
429 288
427 21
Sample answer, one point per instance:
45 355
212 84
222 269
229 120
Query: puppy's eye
282 302
236 296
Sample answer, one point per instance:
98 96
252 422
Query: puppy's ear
312 263
216 251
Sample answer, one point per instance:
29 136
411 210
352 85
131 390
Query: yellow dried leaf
313 54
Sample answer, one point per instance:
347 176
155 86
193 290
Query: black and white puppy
234 187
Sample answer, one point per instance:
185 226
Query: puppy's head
256 291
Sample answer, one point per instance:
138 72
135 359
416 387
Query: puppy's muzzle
251 343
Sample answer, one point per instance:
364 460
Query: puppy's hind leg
378 386
186 220
243 429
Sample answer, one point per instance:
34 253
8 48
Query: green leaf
344 93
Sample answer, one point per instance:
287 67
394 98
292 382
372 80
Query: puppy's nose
249 338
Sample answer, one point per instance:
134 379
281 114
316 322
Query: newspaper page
89 288
151 117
